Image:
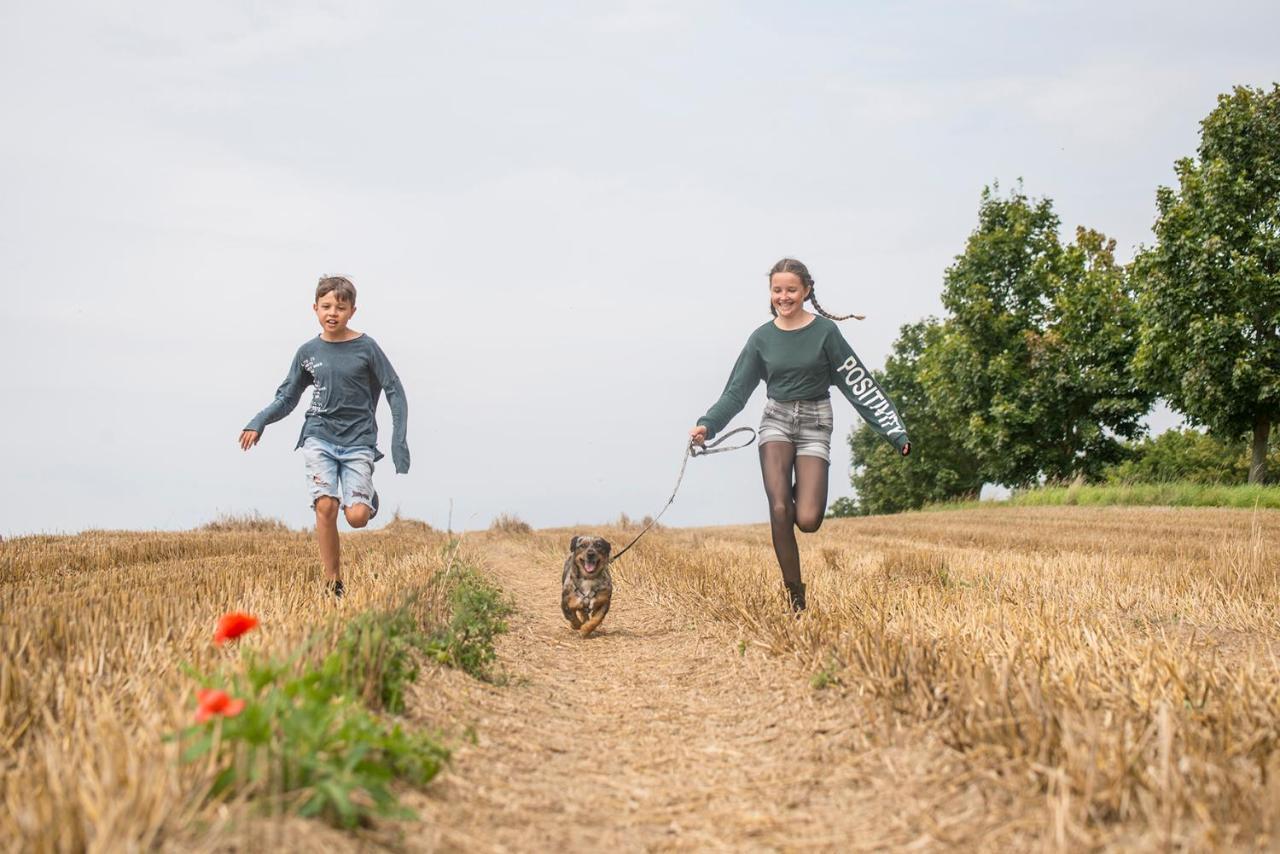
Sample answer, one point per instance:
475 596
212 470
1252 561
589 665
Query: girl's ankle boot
796 593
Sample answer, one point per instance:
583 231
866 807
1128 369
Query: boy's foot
337 588
795 592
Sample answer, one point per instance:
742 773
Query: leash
690 450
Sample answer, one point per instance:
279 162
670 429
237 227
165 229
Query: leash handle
690 450
712 447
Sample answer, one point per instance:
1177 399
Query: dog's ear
573 544
603 544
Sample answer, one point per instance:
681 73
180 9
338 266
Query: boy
347 370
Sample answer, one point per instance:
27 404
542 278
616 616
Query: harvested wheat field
1058 678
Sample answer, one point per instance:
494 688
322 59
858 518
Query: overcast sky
559 217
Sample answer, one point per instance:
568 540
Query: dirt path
658 733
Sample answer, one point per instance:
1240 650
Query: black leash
691 450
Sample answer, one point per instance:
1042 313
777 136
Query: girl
799 356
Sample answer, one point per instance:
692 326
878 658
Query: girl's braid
813 298
791 265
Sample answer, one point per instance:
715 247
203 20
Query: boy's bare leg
358 515
327 535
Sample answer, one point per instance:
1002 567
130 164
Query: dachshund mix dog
586 587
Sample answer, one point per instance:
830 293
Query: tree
1082 384
1210 287
940 468
1038 352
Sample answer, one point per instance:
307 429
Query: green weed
299 734
826 676
479 611
374 658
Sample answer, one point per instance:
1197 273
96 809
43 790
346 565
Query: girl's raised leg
811 492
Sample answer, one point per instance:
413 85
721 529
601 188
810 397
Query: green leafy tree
940 468
1082 387
1037 353
842 507
1210 287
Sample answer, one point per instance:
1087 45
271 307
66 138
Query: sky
559 216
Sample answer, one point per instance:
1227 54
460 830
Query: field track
658 734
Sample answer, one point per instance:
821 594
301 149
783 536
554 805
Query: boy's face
333 314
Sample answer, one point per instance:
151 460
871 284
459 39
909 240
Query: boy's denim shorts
337 471
804 423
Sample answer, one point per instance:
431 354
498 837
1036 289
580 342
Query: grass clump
509 523
479 611
253 522
404 525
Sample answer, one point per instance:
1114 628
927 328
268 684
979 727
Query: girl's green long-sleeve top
802 364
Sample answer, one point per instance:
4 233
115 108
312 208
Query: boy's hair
339 286
791 265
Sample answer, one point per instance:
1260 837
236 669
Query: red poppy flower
214 702
232 625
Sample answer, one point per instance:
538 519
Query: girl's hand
906 449
698 435
248 438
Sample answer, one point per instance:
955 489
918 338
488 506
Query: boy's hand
698 435
248 438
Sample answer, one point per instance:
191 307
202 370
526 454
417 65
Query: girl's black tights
797 491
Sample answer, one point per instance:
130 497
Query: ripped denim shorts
338 471
804 423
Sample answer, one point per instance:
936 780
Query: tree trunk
1258 465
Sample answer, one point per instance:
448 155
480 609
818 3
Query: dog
586 586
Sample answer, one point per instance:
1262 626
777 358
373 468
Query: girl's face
787 294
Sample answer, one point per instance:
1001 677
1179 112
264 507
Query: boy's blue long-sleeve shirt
346 378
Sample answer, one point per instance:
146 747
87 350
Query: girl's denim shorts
804 423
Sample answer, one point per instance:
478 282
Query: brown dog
586 587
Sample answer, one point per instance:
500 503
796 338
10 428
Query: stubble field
1109 675
1059 677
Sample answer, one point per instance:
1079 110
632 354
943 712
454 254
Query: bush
1186 455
